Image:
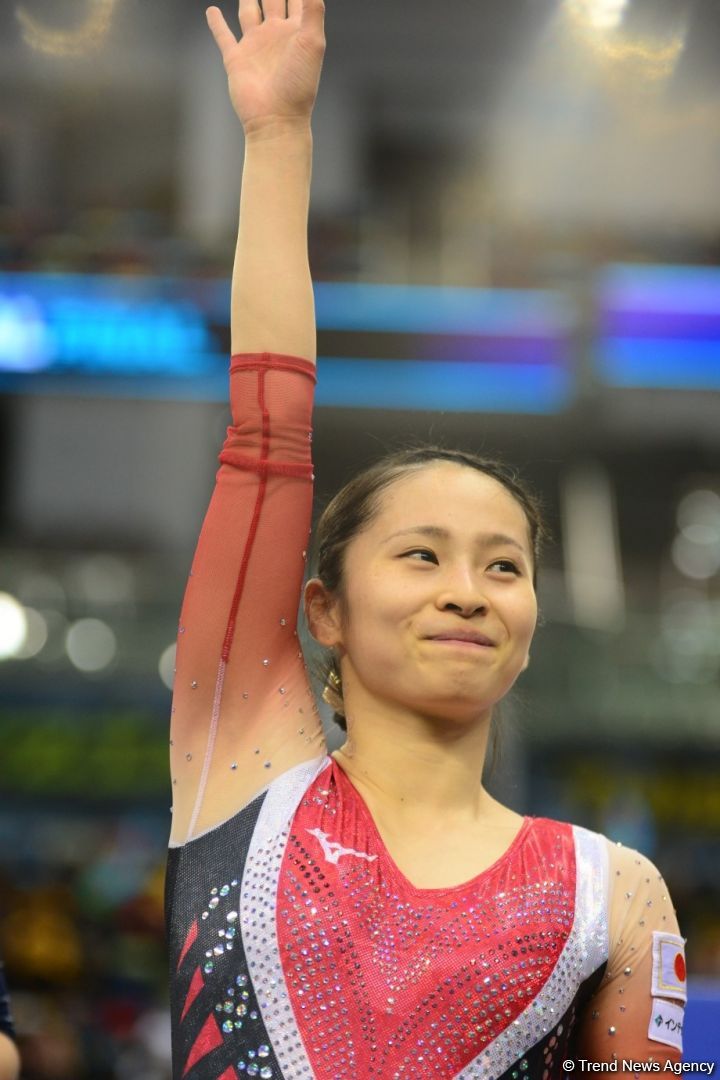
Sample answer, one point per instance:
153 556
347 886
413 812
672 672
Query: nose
463 593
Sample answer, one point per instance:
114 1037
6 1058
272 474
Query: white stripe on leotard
258 908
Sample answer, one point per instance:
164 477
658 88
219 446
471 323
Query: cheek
378 609
527 619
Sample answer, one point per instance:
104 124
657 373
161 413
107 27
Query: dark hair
354 506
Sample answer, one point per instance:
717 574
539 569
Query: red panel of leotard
380 973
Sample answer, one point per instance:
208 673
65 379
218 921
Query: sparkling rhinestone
233 767
194 684
611 1030
266 1072
213 903
241 980
231 918
225 890
627 971
266 663
283 622
263 1050
227 1026
209 967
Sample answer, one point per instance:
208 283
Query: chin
454 708
472 704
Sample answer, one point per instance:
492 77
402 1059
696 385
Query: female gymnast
372 913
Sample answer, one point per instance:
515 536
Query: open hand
274 70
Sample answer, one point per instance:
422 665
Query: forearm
9 1059
273 307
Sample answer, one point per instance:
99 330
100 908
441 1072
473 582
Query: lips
467 637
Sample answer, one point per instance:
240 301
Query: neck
416 765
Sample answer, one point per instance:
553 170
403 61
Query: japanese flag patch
669 978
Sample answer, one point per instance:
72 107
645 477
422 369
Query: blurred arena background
515 243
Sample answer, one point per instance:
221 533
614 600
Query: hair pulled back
353 507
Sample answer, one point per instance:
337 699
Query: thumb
220 30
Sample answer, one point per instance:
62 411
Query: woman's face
439 606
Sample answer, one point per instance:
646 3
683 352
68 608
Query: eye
428 556
505 566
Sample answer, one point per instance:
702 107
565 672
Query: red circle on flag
680 967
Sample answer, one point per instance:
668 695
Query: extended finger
220 30
250 15
313 14
274 9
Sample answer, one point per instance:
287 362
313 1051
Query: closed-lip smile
471 637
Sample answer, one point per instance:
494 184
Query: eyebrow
438 533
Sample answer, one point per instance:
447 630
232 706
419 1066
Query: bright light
13 626
699 561
89 35
166 665
35 637
598 14
90 644
699 507
696 549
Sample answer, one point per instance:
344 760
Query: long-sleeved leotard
298 949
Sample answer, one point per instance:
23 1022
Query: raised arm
273 77
242 707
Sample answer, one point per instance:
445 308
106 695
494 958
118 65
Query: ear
322 613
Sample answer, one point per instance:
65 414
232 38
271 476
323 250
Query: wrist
281 128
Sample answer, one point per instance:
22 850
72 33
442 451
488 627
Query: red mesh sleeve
242 709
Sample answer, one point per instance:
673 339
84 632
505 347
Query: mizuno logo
333 851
